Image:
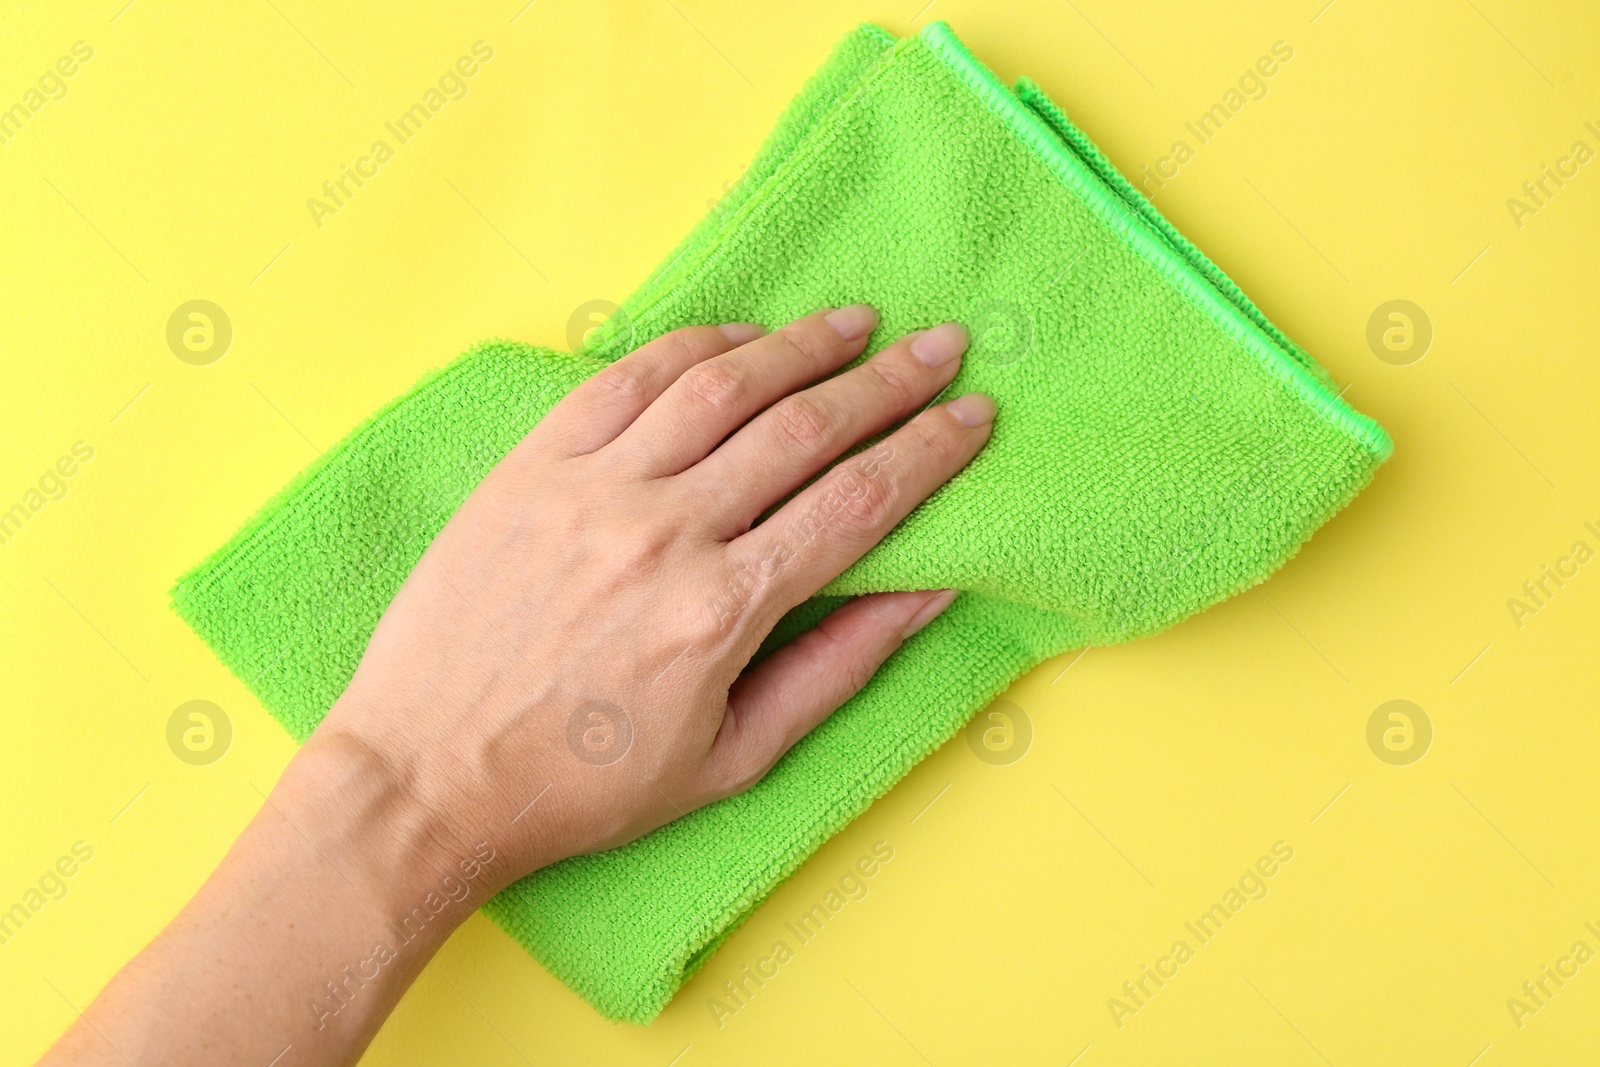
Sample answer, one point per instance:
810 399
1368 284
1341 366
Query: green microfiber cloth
1159 446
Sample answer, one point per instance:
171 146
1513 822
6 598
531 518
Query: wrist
333 898
364 814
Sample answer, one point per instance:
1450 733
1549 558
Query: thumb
782 698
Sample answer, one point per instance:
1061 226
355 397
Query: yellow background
1377 167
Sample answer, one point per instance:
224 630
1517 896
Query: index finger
838 518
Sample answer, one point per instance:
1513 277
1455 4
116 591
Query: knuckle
808 342
834 656
864 502
929 435
857 672
714 387
892 379
803 421
620 385
632 560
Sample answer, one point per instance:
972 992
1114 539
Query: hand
564 669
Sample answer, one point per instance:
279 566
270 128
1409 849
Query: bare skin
566 668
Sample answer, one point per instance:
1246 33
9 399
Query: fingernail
930 610
742 333
852 322
972 410
940 345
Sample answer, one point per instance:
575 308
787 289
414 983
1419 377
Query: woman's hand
563 670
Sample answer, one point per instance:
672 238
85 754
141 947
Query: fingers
782 698
592 415
715 397
781 448
835 520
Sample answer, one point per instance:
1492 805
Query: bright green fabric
1159 446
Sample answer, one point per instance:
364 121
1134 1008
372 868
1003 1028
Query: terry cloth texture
1159 446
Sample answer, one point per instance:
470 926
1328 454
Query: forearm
566 668
306 936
